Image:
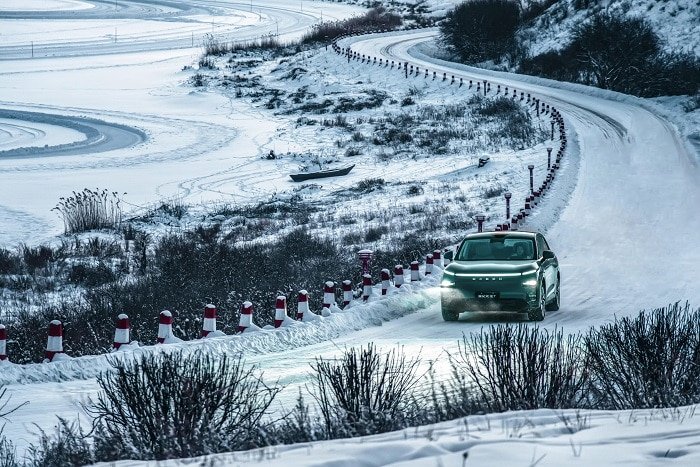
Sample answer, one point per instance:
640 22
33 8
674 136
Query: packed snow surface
44 5
555 438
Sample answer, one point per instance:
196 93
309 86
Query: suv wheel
537 314
449 314
554 304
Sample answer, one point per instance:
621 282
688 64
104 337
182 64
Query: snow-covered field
45 5
622 218
541 437
187 132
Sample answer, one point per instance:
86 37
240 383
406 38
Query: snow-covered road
628 238
625 223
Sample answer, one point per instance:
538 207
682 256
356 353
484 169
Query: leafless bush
298 426
36 257
493 192
8 453
365 392
10 263
166 406
213 46
68 446
375 19
368 185
88 210
523 367
651 360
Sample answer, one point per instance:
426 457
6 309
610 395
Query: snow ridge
359 316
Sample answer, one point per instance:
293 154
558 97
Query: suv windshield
499 248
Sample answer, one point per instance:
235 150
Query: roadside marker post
507 195
480 222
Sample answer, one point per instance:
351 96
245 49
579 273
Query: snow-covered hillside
677 22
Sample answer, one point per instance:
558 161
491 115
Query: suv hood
492 267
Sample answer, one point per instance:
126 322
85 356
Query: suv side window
541 245
546 245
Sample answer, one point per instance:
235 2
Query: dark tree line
481 30
610 50
621 54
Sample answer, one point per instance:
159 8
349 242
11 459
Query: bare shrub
373 20
146 409
651 360
68 446
365 392
499 106
8 453
10 263
298 426
375 233
215 47
451 398
493 192
368 185
36 257
414 190
100 248
91 276
89 210
523 367
353 151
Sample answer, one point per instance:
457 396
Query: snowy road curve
629 236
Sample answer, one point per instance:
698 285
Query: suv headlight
530 278
448 279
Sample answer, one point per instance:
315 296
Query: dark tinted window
499 248
540 245
546 245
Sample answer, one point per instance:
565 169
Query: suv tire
538 313
449 314
554 304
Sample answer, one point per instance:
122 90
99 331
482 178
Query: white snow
657 437
22 134
623 220
45 5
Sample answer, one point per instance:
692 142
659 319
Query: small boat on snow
300 177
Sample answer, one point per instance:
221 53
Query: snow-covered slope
677 22
559 438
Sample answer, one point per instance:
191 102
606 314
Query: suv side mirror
548 254
449 254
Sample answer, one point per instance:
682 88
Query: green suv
501 271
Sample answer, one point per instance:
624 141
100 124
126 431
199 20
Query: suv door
549 265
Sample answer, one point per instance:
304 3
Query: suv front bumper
508 300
